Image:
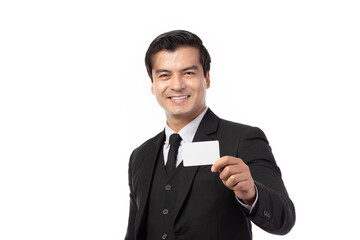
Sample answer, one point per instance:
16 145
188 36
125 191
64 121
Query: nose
176 83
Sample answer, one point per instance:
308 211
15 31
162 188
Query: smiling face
179 85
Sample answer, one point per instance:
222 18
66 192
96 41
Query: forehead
180 58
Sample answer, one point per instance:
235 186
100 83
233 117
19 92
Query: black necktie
174 142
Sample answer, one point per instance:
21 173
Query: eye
189 73
163 75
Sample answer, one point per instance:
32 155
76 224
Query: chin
182 114
178 114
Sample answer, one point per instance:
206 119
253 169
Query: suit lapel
150 158
205 132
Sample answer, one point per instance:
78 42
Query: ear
152 88
207 79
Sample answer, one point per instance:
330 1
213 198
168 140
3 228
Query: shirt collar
187 133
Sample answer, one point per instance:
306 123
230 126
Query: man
170 201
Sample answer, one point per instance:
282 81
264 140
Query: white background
75 101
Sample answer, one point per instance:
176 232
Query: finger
224 161
235 181
243 186
229 170
233 169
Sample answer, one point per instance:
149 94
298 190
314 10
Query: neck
177 123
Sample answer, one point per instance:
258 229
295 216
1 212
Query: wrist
249 198
250 201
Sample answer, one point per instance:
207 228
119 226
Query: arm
130 234
274 211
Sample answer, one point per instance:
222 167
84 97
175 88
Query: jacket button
165 211
168 187
164 236
267 214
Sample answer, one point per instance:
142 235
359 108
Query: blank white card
200 153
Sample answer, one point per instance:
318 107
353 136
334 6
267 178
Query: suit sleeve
130 234
274 211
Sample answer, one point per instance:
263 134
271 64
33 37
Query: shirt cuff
249 207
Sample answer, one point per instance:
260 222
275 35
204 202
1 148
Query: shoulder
229 129
240 135
234 125
238 128
141 153
148 145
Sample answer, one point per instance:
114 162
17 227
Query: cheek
199 87
158 88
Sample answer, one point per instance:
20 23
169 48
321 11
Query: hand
235 175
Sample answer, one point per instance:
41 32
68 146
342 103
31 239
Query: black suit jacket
207 209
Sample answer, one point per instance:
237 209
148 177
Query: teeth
175 98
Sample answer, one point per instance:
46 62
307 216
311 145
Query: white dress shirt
187 134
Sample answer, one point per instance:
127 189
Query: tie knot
175 139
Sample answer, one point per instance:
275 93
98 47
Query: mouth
179 97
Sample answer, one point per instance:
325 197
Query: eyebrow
193 67
161 70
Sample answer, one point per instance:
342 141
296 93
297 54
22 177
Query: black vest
162 201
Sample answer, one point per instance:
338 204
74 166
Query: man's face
179 83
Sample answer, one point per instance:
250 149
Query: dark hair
173 40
